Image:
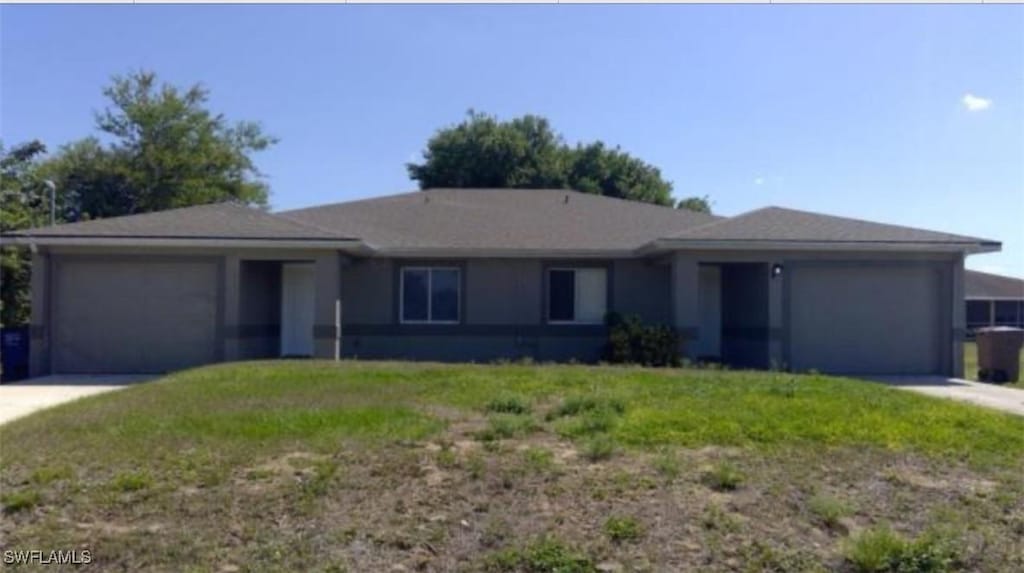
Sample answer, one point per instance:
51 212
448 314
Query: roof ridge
721 220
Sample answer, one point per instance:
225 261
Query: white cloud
759 181
975 103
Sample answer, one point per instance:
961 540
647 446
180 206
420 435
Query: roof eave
661 245
474 252
353 245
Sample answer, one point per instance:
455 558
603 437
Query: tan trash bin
999 353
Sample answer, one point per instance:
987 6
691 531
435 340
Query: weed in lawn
259 474
599 447
446 458
504 426
882 549
620 529
539 460
49 474
717 519
759 556
131 481
475 465
509 405
828 509
14 502
578 404
546 555
723 476
666 463
317 482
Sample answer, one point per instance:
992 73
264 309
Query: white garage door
866 319
133 316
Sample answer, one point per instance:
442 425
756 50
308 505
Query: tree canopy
24 202
164 148
167 149
698 204
525 152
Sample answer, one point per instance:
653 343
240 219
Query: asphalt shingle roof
984 285
213 221
497 220
779 224
514 219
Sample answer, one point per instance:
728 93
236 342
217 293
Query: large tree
164 149
24 202
526 152
167 149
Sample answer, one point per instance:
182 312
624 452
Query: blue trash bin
14 353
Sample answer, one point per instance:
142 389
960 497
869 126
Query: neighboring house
479 275
993 300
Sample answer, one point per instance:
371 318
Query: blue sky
852 110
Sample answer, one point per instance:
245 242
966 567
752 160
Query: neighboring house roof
776 224
213 222
498 222
985 286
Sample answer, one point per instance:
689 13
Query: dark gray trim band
252 330
526 330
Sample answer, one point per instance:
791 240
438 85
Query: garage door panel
129 316
866 319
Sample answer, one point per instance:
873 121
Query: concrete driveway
22 398
988 395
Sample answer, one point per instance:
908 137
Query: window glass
977 312
591 295
414 294
561 295
1006 312
444 295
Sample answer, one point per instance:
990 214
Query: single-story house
993 300
483 274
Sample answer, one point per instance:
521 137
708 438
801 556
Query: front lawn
971 364
363 466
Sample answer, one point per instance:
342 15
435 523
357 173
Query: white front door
297 291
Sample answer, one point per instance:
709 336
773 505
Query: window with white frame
577 296
430 295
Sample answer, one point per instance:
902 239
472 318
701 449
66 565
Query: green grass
238 409
280 465
971 364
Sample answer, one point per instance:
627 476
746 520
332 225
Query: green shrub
20 500
576 405
723 477
504 426
600 447
132 481
631 342
880 549
828 509
589 424
539 460
48 474
620 529
666 463
509 405
543 556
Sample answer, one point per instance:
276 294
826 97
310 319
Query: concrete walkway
988 395
22 398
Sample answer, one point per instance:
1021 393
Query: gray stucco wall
503 311
947 302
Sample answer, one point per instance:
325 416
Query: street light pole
53 200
